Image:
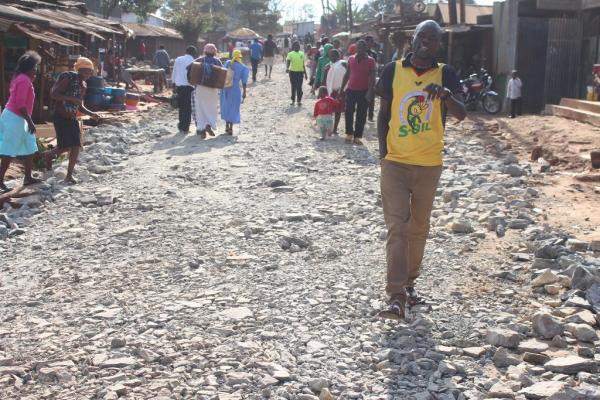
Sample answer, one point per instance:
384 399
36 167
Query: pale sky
292 9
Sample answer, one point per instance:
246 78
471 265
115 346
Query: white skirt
206 107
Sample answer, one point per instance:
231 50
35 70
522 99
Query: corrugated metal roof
81 22
46 36
152 31
472 12
5 24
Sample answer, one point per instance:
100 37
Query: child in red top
324 109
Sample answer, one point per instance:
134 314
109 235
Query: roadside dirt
570 191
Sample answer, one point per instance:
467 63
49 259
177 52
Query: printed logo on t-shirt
415 113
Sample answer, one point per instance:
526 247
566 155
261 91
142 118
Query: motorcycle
477 88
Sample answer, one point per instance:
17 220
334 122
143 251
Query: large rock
582 317
542 390
237 313
583 277
571 365
546 326
460 226
502 337
592 295
545 278
502 358
582 332
533 346
501 391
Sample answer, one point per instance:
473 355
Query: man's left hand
435 91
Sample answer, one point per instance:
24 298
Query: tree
192 18
259 15
142 8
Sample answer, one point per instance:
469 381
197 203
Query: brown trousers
408 192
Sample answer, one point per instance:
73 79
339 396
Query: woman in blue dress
232 97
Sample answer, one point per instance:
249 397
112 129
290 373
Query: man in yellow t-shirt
296 68
416 93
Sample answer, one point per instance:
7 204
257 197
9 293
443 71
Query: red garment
142 48
359 73
352 49
325 106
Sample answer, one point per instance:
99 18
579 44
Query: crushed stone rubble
252 267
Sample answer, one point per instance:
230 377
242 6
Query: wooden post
463 12
452 12
350 19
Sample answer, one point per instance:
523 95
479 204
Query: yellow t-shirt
416 128
296 59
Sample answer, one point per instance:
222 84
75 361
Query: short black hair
256 39
27 62
369 38
325 40
162 46
191 50
269 36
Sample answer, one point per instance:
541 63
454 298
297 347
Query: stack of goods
94 95
118 99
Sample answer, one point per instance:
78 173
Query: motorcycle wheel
491 103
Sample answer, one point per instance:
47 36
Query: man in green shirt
295 67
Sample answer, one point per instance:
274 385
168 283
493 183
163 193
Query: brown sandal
395 310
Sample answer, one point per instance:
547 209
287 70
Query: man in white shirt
513 92
335 77
183 88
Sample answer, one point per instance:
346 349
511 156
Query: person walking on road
296 68
232 97
17 130
183 88
162 59
334 77
68 93
321 64
358 83
269 49
206 99
256 55
416 93
513 92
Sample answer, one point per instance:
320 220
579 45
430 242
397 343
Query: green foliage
142 8
192 18
259 15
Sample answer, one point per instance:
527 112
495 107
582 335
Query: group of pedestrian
350 83
17 129
203 101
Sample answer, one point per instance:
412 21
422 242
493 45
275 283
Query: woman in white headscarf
206 99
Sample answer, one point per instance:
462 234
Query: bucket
94 101
132 99
95 82
118 92
108 91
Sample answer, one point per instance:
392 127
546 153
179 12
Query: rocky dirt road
252 267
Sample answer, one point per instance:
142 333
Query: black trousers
254 62
184 100
372 109
296 79
356 100
515 107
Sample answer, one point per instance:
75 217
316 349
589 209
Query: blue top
256 50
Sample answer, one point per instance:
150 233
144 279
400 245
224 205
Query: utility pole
463 12
350 19
452 12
